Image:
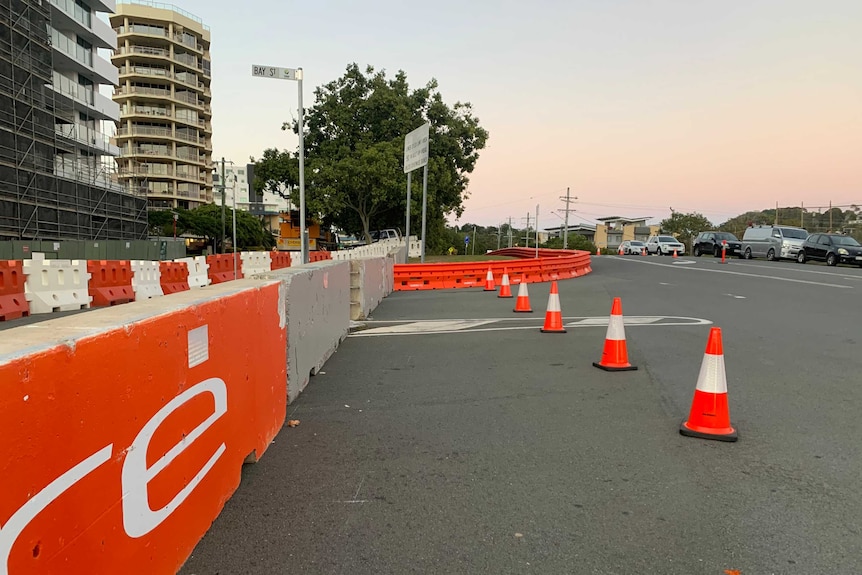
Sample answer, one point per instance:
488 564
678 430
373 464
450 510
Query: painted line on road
728 272
438 326
804 271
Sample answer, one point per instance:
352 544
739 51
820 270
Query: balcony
142 91
147 170
143 51
145 131
67 14
92 140
138 151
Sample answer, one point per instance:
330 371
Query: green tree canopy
205 222
685 226
354 145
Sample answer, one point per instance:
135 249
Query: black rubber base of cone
522 310
606 368
730 438
543 330
505 296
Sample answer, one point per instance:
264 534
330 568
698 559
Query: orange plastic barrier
550 265
221 268
174 277
13 304
280 260
319 256
110 282
120 448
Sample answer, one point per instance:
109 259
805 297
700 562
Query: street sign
275 72
466 240
416 148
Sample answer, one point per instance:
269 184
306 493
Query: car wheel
800 257
831 260
696 251
770 255
747 255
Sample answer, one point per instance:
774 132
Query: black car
831 248
712 242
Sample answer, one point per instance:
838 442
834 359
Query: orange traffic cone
598 251
709 417
615 356
522 304
620 251
505 289
554 315
489 281
643 251
674 253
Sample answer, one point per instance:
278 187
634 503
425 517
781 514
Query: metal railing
164 6
145 131
141 90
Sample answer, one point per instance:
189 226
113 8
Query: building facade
614 230
239 185
164 132
57 171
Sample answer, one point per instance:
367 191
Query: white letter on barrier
25 514
138 518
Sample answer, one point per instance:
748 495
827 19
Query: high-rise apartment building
165 128
57 172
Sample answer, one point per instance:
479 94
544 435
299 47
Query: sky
635 106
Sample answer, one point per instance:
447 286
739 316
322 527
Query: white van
772 242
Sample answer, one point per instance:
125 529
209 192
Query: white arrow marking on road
735 296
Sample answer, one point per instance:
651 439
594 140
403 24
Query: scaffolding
42 198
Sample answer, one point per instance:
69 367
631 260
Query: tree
685 226
205 221
576 242
354 145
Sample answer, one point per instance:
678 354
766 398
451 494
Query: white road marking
702 269
735 296
684 262
801 269
448 325
437 326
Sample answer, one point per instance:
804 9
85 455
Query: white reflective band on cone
522 289
616 329
712 378
554 302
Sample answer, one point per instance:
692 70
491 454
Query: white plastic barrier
198 271
255 263
56 285
295 259
146 279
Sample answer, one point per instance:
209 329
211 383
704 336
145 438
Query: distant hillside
842 220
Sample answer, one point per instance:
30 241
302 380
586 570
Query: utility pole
474 240
510 232
830 216
499 235
527 231
221 181
568 200
537 230
801 214
776 213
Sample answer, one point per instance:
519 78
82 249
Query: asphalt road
481 446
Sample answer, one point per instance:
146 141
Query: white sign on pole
416 148
275 72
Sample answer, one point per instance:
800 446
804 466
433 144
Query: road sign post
416 156
296 75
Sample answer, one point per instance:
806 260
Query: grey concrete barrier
317 301
371 280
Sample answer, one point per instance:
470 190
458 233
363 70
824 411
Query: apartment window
187 115
241 172
81 13
160 187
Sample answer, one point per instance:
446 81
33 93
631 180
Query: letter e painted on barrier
118 449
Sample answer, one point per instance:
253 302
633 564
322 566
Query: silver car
772 242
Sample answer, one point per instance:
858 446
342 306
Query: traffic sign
416 148
466 240
277 73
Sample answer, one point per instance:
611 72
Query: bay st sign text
416 148
275 72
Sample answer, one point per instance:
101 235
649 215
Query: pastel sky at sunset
715 106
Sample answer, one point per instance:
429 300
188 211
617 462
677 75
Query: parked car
389 234
712 242
832 249
632 247
664 246
773 242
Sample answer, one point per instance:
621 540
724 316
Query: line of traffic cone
709 417
522 304
674 254
489 281
615 356
505 288
554 315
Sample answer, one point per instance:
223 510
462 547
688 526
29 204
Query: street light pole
221 181
303 229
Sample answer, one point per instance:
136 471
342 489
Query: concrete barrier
317 307
123 431
370 281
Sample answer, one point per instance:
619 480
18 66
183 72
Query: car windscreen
795 234
726 236
636 243
667 239
844 241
